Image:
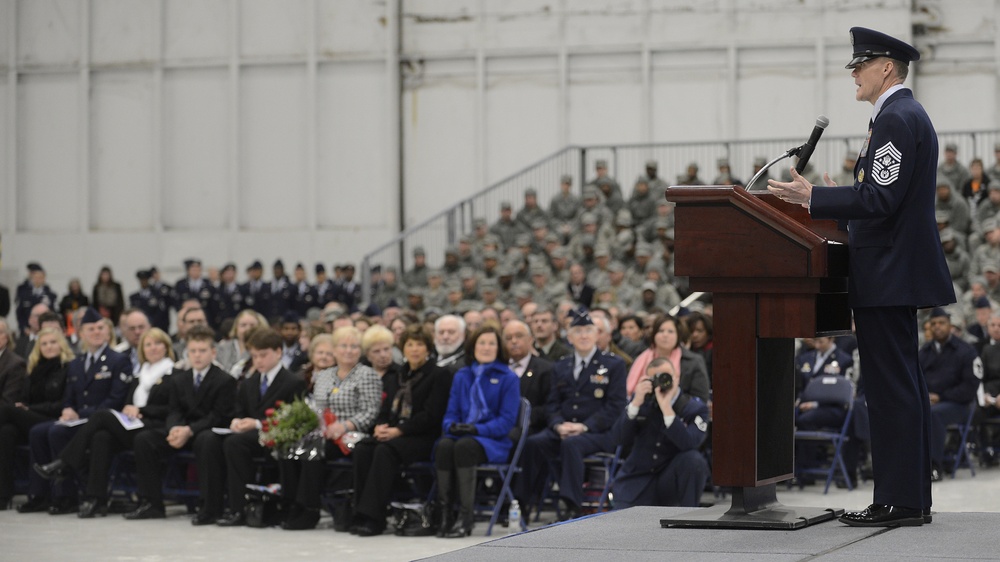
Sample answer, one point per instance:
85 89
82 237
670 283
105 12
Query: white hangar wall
135 132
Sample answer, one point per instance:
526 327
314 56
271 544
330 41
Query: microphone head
822 121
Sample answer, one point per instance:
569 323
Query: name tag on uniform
495 381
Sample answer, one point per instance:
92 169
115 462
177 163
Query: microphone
806 150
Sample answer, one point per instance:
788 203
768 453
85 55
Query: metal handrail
456 219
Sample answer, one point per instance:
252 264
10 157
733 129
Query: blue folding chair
829 390
961 457
506 471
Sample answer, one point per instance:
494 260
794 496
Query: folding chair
961 456
829 390
506 471
609 463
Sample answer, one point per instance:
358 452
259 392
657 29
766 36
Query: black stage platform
636 534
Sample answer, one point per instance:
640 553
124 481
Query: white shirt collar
586 360
881 99
273 373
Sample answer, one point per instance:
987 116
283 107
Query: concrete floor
41 537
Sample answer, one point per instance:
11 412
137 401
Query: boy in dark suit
200 398
230 457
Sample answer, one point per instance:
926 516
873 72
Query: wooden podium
775 274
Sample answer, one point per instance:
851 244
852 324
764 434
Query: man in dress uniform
196 287
664 428
281 292
892 237
825 358
350 290
953 370
303 294
325 292
228 297
32 291
587 396
164 292
97 379
256 292
148 300
200 398
225 462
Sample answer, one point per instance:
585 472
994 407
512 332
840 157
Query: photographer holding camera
663 427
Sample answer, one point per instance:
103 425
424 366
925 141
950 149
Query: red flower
270 444
264 426
274 423
279 403
269 412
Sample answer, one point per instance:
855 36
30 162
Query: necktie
579 369
263 384
135 361
87 362
197 381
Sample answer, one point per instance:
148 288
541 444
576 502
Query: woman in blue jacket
482 409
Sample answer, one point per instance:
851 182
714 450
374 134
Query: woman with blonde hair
352 392
41 400
105 433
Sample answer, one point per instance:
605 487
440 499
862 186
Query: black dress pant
303 481
15 424
225 462
151 453
376 470
211 471
93 448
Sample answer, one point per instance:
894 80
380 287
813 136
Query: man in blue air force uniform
896 267
586 396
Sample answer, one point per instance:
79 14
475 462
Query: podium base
753 508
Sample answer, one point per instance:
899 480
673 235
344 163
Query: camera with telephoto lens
663 381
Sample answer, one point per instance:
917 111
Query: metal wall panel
272 179
48 32
197 29
123 32
49 191
196 150
271 28
352 190
121 151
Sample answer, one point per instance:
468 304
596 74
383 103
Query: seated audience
233 350
665 341
200 398
41 400
353 393
13 370
96 380
535 373
403 435
95 445
588 392
482 410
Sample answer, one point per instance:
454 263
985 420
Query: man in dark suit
545 330
587 395
664 428
535 373
953 370
33 291
13 372
4 301
896 266
223 458
579 290
196 287
29 332
200 398
96 380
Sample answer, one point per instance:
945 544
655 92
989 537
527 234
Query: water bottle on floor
514 516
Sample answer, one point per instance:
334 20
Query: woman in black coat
42 401
104 435
403 434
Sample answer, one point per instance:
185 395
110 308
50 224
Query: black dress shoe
63 506
204 518
146 510
928 517
90 508
570 511
36 504
54 470
232 520
368 528
301 519
876 515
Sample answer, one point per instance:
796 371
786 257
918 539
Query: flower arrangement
286 425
